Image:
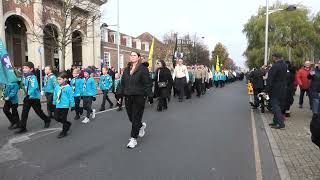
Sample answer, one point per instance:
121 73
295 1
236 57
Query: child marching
11 103
77 86
117 91
63 100
32 98
105 84
50 81
89 93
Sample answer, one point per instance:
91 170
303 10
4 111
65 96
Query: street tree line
296 34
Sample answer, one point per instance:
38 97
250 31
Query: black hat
29 64
277 55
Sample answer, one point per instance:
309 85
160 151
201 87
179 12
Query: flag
174 52
217 65
151 55
7 74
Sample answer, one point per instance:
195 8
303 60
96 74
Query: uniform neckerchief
60 92
85 83
46 79
73 85
104 80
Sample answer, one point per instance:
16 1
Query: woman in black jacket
136 84
163 85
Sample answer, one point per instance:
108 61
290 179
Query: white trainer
132 143
142 131
93 115
86 120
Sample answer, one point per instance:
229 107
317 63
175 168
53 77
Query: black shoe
111 106
102 109
62 135
278 127
46 125
180 100
272 124
77 117
11 126
165 107
119 109
287 115
21 131
15 126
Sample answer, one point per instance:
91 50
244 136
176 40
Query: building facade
26 27
109 50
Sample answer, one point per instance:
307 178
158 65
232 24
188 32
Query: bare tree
71 16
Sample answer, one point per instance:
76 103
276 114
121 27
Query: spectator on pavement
304 82
256 78
276 88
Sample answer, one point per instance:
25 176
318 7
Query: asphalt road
200 139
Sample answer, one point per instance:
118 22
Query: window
106 58
129 42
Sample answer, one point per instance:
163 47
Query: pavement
297 158
211 137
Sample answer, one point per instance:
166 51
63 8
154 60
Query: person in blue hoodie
63 100
117 91
77 86
50 81
32 98
11 103
105 84
89 93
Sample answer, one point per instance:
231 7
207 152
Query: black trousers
78 109
216 83
302 93
198 85
87 104
119 100
204 89
135 108
50 106
106 97
36 105
61 116
255 94
162 100
180 84
13 115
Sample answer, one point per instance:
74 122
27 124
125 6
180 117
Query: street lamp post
268 12
118 34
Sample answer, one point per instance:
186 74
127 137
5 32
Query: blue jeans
276 110
315 102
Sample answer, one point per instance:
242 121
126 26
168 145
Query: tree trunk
63 58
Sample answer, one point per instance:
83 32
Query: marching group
274 86
134 85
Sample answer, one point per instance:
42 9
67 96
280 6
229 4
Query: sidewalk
296 156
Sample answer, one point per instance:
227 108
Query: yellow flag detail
218 65
150 59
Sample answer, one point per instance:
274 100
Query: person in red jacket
304 82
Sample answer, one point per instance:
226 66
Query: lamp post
268 12
118 34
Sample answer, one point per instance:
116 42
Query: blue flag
7 74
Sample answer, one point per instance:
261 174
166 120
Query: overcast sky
216 20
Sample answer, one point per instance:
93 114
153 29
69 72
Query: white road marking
9 153
256 147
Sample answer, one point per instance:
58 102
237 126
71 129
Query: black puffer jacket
139 83
315 81
277 80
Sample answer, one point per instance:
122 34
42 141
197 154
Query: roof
148 37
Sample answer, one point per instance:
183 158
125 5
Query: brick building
109 51
20 19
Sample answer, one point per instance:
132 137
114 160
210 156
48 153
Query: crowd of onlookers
275 85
